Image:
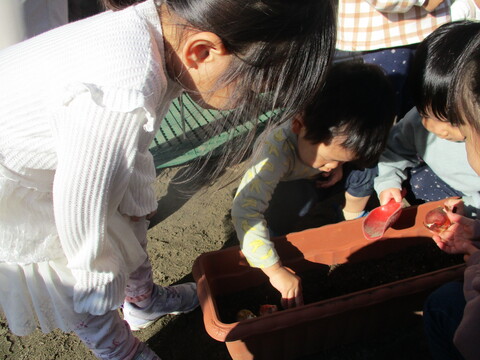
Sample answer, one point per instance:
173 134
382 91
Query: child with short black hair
425 153
349 121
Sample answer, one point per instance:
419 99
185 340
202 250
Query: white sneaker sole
142 326
150 322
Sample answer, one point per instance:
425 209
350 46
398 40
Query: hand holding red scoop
380 219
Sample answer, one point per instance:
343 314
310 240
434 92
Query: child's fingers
445 243
397 195
292 302
292 299
449 234
469 248
288 303
148 217
455 218
440 243
462 220
152 214
384 200
387 195
299 299
454 205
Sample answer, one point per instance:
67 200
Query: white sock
352 215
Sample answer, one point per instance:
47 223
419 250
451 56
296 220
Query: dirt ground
185 227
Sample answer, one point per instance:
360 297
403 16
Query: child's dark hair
434 64
464 99
357 101
280 48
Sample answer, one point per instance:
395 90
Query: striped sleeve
252 199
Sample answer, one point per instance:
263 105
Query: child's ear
202 48
297 124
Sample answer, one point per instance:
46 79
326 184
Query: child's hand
388 194
287 283
431 5
455 205
152 214
457 239
330 178
148 217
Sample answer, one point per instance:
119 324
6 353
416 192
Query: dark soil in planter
326 282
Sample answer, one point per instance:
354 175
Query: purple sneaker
176 299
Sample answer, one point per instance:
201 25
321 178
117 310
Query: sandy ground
185 227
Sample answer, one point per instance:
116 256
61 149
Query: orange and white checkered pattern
371 25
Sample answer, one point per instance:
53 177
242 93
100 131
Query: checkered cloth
371 25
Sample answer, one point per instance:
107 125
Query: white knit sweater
79 107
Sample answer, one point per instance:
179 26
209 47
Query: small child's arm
250 203
399 155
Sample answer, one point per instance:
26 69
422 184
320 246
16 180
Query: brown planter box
305 330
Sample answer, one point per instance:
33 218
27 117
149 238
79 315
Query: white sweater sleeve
96 151
139 198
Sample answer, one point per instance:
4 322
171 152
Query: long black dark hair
281 50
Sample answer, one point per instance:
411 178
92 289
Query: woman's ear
202 48
297 124
203 61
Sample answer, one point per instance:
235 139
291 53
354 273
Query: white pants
22 19
108 336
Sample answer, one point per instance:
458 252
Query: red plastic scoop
380 219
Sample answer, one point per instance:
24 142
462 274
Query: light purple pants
108 336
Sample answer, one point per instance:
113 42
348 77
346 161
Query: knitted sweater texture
79 108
